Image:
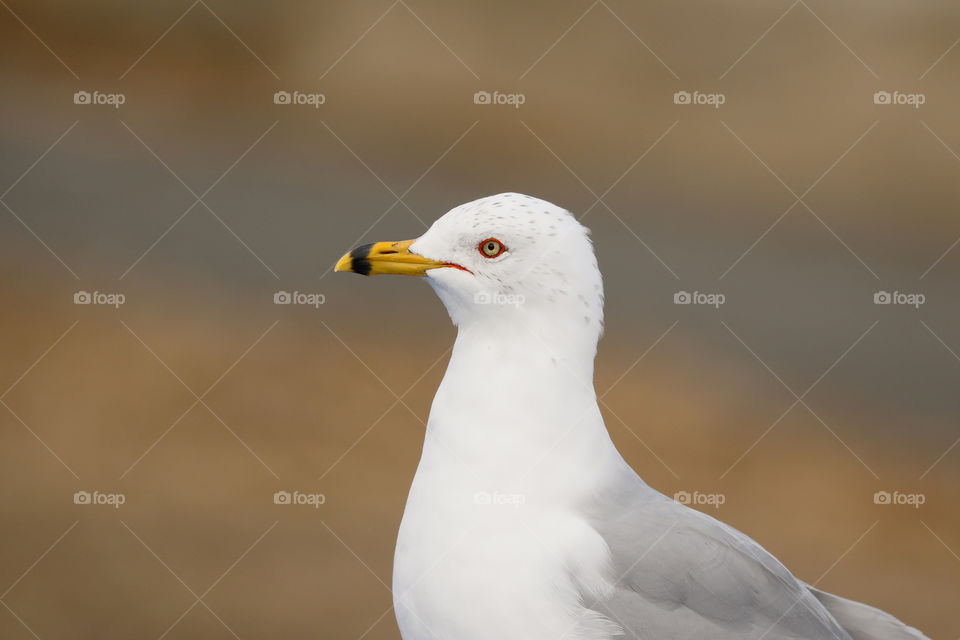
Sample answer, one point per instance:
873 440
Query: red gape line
456 266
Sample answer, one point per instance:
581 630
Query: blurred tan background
798 199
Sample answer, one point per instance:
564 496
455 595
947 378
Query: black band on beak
358 259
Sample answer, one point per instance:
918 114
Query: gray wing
864 622
683 574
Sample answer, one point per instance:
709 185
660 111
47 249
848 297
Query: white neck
507 430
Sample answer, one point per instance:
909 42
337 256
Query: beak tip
344 264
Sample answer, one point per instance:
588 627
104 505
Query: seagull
523 521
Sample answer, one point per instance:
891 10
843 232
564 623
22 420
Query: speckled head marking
504 258
547 265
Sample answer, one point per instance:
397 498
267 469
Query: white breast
492 563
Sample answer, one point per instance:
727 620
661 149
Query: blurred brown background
798 199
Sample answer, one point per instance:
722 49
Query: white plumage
523 521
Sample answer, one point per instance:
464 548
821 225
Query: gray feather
864 622
681 574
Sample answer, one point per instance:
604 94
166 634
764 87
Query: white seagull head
508 258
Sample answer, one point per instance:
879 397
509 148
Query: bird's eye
491 248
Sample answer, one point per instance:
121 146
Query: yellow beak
387 257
